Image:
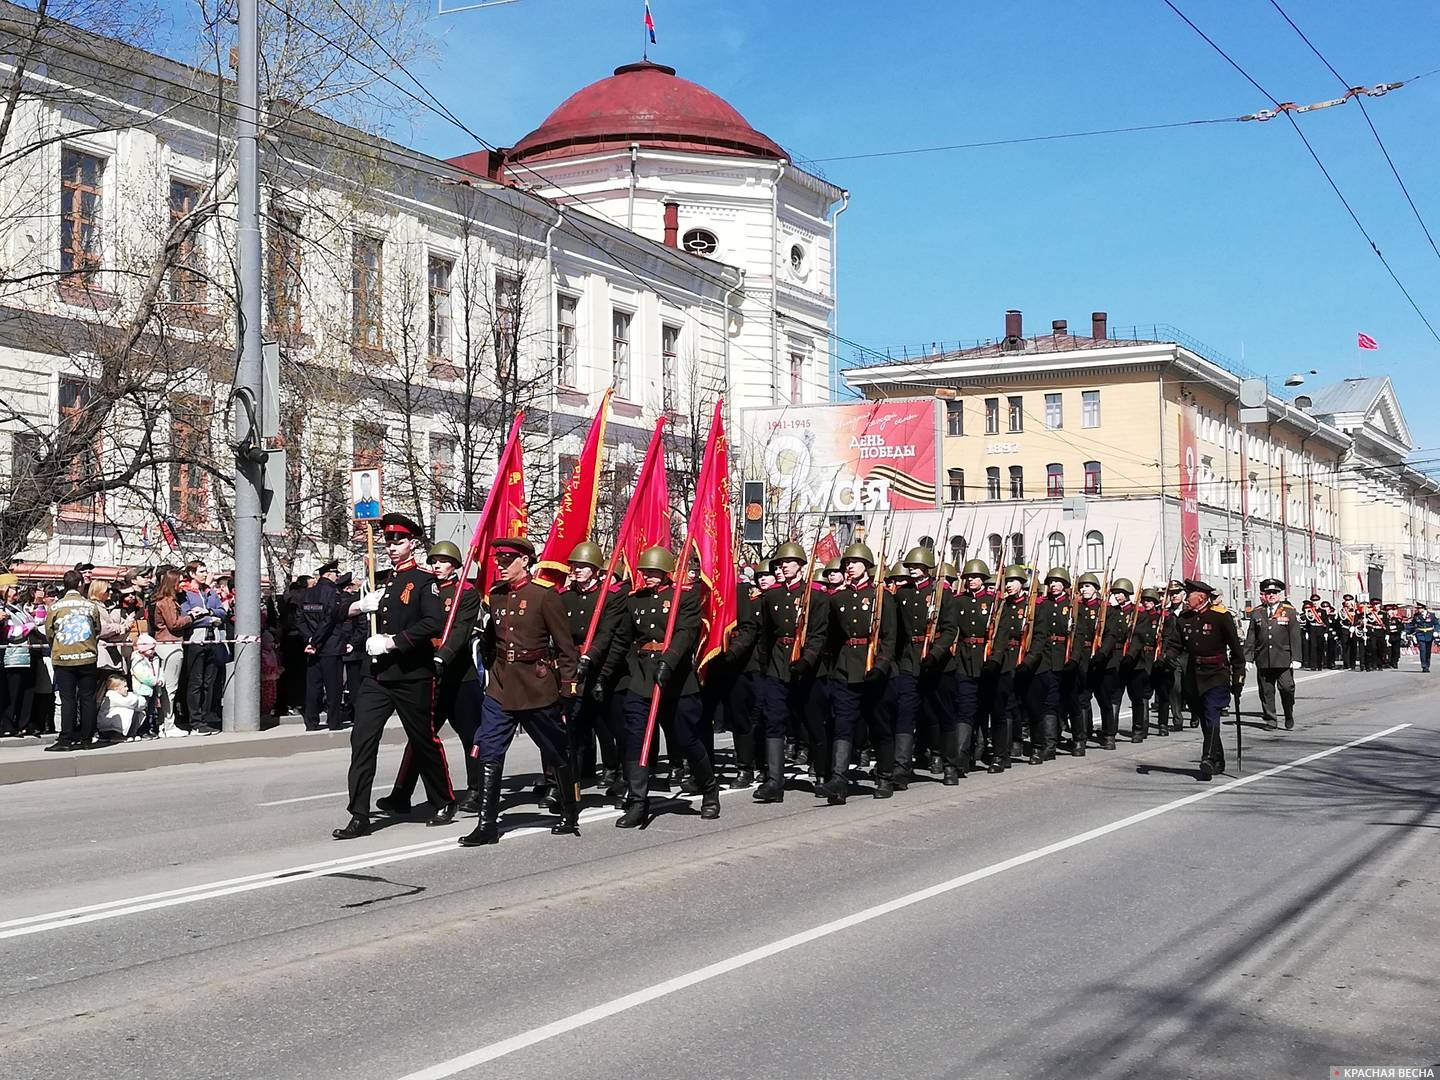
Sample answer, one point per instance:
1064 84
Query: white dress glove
370 602
379 644
1294 665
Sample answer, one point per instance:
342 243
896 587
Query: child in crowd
121 711
145 677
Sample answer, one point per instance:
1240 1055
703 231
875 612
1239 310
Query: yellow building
1128 449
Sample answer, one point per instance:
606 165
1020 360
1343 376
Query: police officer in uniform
1207 636
856 681
587 724
409 615
530 660
318 622
1273 644
651 665
458 697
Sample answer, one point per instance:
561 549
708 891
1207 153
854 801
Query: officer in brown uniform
1274 643
1207 637
530 658
409 616
651 664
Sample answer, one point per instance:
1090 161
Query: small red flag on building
647 521
713 534
1365 341
575 516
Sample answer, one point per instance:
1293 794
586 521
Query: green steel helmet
990 579
976 568
858 551
789 550
1123 584
833 566
1017 573
1058 573
1089 579
899 572
1150 594
920 556
446 550
657 558
587 553
948 572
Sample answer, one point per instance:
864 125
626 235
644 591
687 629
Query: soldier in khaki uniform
1206 635
1273 644
530 659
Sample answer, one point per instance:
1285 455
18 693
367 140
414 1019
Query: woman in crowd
42 679
115 626
16 627
170 628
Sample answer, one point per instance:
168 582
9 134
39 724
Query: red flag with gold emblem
504 513
647 520
575 516
713 535
827 550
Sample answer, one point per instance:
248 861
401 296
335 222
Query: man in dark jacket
318 623
1043 662
1206 635
587 723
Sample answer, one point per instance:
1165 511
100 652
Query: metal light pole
243 713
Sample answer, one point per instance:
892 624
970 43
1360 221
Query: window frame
670 366
621 346
1097 486
955 419
992 483
955 481
440 321
284 260
992 416
86 256
567 339
187 283
1017 482
1055 480
1089 408
189 491
1015 413
1054 412
367 291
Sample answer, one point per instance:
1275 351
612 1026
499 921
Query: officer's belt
511 655
974 640
857 641
919 639
1213 661
786 640
652 646
1058 637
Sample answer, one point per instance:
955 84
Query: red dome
643 103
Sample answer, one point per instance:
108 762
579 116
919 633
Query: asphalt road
1102 917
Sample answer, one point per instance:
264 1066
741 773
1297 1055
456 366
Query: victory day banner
846 458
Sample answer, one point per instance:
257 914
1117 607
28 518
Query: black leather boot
744 777
773 789
444 814
637 796
487 830
1207 766
884 769
702 771
904 749
837 787
567 793
614 781
954 766
469 802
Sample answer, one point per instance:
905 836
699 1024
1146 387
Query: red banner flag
828 549
713 534
647 521
1365 341
575 516
504 513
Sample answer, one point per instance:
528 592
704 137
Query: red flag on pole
575 516
713 535
1365 341
504 513
647 521
828 549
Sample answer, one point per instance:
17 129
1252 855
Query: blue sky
1228 232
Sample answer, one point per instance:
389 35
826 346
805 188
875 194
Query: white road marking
113 909
608 1009
305 798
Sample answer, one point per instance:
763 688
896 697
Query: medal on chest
405 593
665 608
865 604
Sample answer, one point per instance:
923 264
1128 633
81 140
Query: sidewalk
22 760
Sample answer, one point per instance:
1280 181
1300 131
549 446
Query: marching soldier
1172 665
1207 636
1003 655
1117 619
1394 634
1312 633
912 614
1422 629
652 665
1136 661
1350 628
834 575
851 635
1273 644
939 701
786 684
739 674
1375 637
587 723
457 687
972 623
1076 688
530 660
409 615
318 620
1044 662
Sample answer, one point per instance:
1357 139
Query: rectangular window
1017 414
507 325
1090 408
957 485
189 447
187 275
620 352
797 376
442 472
26 449
367 445
954 418
1054 481
1092 478
1054 412
992 416
366 285
76 397
81 176
992 483
567 340
438 273
283 269
1017 482
669 367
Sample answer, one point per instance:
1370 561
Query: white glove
379 644
1294 665
370 602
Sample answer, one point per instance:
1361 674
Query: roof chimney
672 225
1098 328
1013 329
1059 327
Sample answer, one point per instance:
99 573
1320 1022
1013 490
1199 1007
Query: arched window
1092 478
1054 481
957 549
957 485
996 549
1057 549
1017 481
992 482
1094 551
